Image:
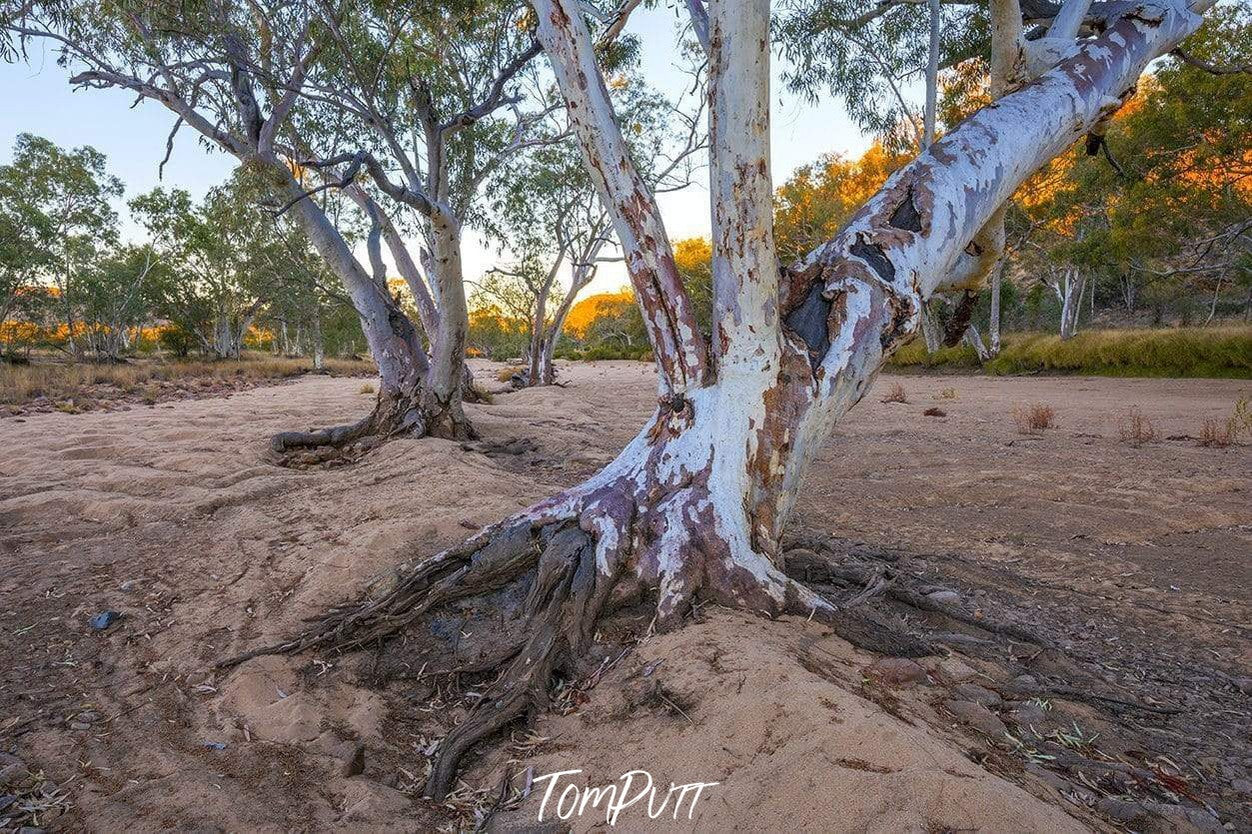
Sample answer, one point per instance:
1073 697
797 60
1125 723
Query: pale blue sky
37 99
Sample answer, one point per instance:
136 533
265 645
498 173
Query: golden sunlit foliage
817 200
592 307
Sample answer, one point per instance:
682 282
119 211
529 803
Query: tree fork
695 506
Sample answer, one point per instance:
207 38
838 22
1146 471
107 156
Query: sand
171 516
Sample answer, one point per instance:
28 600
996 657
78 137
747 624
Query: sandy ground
1136 559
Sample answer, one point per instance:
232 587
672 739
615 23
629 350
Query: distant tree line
212 276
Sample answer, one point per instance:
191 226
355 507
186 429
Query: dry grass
1136 429
1218 434
935 412
1034 418
946 394
896 394
367 389
73 381
1162 352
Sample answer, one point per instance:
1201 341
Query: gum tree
695 506
406 111
62 197
548 210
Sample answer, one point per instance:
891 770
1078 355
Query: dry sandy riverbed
1134 562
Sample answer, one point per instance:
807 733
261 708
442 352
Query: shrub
896 394
1136 429
507 372
1034 419
176 340
1216 434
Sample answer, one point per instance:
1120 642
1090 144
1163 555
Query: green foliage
55 223
212 271
865 53
228 265
1180 352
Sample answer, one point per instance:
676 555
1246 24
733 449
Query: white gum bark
746 326
667 312
900 248
701 494
392 339
442 391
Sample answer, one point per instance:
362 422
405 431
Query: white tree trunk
442 392
667 312
1070 290
974 338
930 330
319 344
993 327
695 504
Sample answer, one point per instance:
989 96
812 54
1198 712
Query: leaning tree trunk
543 371
552 337
402 406
535 351
974 339
695 506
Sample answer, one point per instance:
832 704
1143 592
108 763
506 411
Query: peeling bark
695 506
667 312
442 395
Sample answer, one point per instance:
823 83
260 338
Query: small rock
1175 819
1028 714
354 759
89 716
215 745
14 775
1242 786
977 716
897 670
1123 811
977 694
79 725
130 585
1245 685
954 669
29 829
6 800
944 597
104 619
1024 684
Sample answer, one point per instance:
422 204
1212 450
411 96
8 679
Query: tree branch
667 311
1215 69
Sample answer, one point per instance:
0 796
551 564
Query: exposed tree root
394 415
817 562
534 586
